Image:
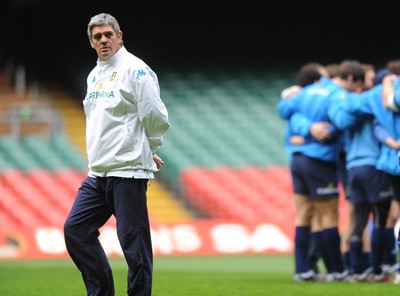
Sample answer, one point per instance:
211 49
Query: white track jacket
126 119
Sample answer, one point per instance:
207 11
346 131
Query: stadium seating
241 193
225 134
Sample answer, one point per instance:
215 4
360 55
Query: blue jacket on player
370 102
362 147
313 103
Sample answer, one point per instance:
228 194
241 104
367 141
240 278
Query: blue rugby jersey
370 102
362 147
313 104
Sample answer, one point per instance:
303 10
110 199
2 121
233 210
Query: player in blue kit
309 73
369 191
382 103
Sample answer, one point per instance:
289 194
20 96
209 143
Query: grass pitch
183 276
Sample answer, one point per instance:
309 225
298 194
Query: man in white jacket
126 122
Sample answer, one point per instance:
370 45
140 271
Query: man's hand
297 140
159 162
392 143
320 131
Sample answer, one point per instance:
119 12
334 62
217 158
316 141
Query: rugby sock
377 249
302 244
313 252
346 258
366 260
356 256
390 247
331 242
323 251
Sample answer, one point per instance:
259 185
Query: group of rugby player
344 130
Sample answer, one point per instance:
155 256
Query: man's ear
91 43
120 37
350 78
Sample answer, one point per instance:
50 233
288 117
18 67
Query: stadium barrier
198 237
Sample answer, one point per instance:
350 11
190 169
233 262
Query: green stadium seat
6 164
12 150
64 148
40 148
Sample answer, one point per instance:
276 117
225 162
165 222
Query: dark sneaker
361 277
308 276
381 278
342 276
390 270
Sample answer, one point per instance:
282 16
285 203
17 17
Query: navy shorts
367 184
313 177
395 182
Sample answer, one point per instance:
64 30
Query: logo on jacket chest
112 76
111 79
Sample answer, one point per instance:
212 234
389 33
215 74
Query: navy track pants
97 199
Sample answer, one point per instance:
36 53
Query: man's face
105 41
369 79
